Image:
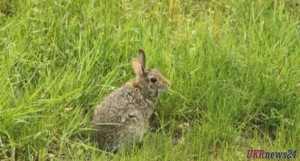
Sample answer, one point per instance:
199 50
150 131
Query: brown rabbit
123 116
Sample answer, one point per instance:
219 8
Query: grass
233 65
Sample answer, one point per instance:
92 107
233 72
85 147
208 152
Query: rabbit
122 118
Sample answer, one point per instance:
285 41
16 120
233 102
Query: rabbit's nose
168 83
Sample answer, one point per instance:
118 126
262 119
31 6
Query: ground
233 68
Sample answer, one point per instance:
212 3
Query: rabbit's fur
123 116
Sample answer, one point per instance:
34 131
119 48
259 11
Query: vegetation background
234 68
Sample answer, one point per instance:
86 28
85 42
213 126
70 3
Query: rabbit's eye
153 79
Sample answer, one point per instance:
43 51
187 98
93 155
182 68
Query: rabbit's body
123 116
124 113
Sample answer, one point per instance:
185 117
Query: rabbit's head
151 81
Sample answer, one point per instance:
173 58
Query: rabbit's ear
142 58
137 67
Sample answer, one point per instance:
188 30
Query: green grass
233 65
